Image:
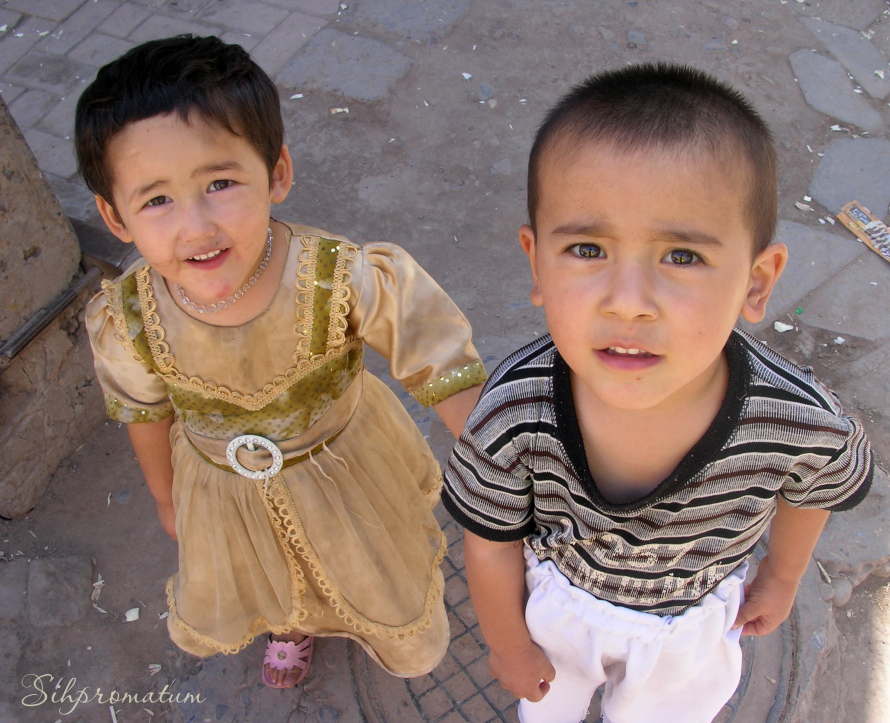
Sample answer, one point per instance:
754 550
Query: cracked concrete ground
443 98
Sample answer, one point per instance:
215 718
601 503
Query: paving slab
98 49
60 120
124 20
13 586
855 52
854 169
9 19
826 88
360 68
161 26
53 154
316 7
56 10
31 106
856 544
80 24
429 20
59 590
245 15
814 256
15 45
850 304
857 14
10 92
50 73
285 41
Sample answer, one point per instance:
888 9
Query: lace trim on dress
165 361
122 412
340 295
464 377
114 294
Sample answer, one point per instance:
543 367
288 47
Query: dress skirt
342 543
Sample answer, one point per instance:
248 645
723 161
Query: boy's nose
196 224
629 293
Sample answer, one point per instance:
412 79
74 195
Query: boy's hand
526 675
167 516
768 601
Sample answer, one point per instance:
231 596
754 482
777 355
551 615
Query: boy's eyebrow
598 229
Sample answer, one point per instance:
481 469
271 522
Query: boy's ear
527 239
282 177
112 220
765 272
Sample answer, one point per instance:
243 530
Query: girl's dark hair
184 75
662 105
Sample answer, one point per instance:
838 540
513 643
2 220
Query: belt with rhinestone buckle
251 440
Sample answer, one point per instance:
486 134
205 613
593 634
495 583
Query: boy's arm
455 409
496 576
793 534
151 442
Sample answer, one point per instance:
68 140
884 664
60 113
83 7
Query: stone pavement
411 122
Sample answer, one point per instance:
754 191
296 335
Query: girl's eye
681 257
220 185
157 201
588 251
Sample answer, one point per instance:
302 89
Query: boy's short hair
184 74
662 105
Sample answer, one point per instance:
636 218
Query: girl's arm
496 576
151 442
793 534
455 409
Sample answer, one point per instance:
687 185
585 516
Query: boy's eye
588 251
220 185
157 201
681 257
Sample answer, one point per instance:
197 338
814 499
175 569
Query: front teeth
204 257
622 350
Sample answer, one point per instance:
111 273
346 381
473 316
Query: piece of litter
466 76
296 95
104 612
873 283
32 533
804 206
100 582
734 42
782 327
799 310
163 615
150 712
523 100
838 340
3 28
880 74
822 221
391 140
837 128
19 35
771 680
334 111
426 104
109 500
823 572
808 148
830 220
867 227
132 615
113 716
807 198
154 669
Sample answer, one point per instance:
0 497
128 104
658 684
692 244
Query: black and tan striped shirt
520 471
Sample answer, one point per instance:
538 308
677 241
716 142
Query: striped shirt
520 471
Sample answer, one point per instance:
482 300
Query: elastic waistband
620 620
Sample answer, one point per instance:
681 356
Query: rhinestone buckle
250 440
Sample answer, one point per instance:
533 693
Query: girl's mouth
621 351
207 256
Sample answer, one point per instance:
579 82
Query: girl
297 486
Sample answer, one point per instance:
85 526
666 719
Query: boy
644 446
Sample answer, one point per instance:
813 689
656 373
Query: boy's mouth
621 351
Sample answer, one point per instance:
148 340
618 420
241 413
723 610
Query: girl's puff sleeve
399 311
134 393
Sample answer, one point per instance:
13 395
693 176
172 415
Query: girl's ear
527 239
112 220
282 177
765 273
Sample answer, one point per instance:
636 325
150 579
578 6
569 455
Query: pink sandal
286 656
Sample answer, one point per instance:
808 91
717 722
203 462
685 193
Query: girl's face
195 200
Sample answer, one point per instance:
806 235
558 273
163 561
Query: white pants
656 670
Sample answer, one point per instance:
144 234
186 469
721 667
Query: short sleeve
487 489
134 393
836 474
399 311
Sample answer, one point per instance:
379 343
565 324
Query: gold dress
342 541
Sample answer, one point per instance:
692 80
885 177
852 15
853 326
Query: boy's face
643 263
195 200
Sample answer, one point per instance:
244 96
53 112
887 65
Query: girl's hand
167 516
526 675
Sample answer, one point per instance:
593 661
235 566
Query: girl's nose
630 292
196 224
